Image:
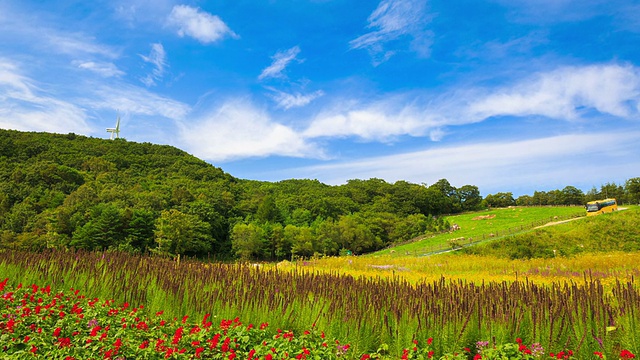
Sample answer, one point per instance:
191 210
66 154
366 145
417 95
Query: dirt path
557 222
566 221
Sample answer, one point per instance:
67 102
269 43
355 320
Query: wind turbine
115 132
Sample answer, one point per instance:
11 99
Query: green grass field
482 225
585 301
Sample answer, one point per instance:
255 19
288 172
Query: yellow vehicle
601 206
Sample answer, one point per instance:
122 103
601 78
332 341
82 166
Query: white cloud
577 159
236 129
380 121
76 45
391 20
135 100
288 101
200 25
157 58
280 61
568 93
560 94
137 11
104 69
23 106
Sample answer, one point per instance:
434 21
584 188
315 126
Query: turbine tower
115 132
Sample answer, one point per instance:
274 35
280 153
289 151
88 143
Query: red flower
95 330
206 323
177 336
365 357
405 354
159 345
626 354
214 341
477 357
598 354
429 341
56 332
225 344
64 342
199 351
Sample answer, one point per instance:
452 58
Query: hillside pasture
484 225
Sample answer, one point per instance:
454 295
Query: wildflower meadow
75 305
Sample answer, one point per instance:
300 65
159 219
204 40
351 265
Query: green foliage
451 319
178 233
71 191
619 231
501 199
632 187
246 240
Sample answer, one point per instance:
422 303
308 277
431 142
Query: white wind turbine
115 132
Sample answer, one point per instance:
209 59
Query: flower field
298 313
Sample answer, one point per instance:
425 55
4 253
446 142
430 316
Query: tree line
627 193
71 191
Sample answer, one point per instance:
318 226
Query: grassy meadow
485 225
586 301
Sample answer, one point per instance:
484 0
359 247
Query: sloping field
484 225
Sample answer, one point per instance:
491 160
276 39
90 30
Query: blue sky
507 95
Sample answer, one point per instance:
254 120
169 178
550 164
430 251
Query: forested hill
71 191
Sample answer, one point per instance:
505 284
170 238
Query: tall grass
365 311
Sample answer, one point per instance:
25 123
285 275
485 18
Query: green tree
540 198
277 247
450 203
501 199
218 225
327 236
470 198
301 240
140 230
525 200
268 211
611 190
632 187
179 233
104 229
356 236
572 196
247 241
